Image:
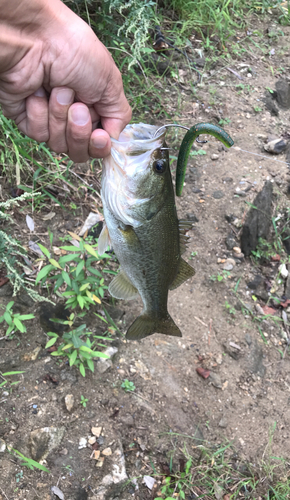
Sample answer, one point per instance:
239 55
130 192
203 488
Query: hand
63 85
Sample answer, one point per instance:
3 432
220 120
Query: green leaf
94 271
44 250
66 277
24 317
58 283
8 318
91 365
19 325
51 342
81 301
68 258
70 249
9 305
55 263
98 354
82 370
6 374
84 286
30 461
91 251
73 357
80 267
43 273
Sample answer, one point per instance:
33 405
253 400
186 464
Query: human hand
63 84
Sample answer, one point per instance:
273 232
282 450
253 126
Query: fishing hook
179 126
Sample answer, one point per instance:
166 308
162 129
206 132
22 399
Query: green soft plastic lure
188 140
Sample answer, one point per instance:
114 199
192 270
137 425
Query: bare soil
248 389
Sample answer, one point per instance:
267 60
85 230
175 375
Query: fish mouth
137 139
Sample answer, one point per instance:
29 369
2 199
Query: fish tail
146 325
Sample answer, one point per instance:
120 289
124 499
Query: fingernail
40 92
80 115
99 142
64 96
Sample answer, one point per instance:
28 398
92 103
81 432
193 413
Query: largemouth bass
143 228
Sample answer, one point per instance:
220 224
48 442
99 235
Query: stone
215 380
107 452
223 423
276 146
214 156
92 440
270 104
255 359
69 401
218 194
96 431
257 285
258 220
237 250
229 264
42 441
82 443
127 420
104 365
227 179
119 467
2 445
283 93
283 271
192 217
230 241
240 192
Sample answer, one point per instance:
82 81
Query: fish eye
159 166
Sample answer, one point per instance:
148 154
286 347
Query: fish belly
149 255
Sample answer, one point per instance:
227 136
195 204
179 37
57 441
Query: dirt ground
247 394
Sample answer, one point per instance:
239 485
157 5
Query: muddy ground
247 394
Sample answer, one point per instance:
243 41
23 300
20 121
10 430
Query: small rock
2 445
283 93
107 480
69 402
270 104
283 271
259 309
276 147
240 192
230 241
31 356
214 157
107 452
237 249
215 380
223 423
218 195
42 441
96 454
100 462
227 179
149 481
229 264
96 431
82 443
103 365
57 492
192 217
92 440
127 420
239 255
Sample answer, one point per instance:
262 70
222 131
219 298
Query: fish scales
142 224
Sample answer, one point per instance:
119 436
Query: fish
142 227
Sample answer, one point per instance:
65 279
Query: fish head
136 176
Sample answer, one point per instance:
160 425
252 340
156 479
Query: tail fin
146 325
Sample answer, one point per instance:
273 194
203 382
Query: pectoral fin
104 240
122 288
185 272
145 325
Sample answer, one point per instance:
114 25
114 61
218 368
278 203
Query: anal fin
122 288
185 272
145 325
